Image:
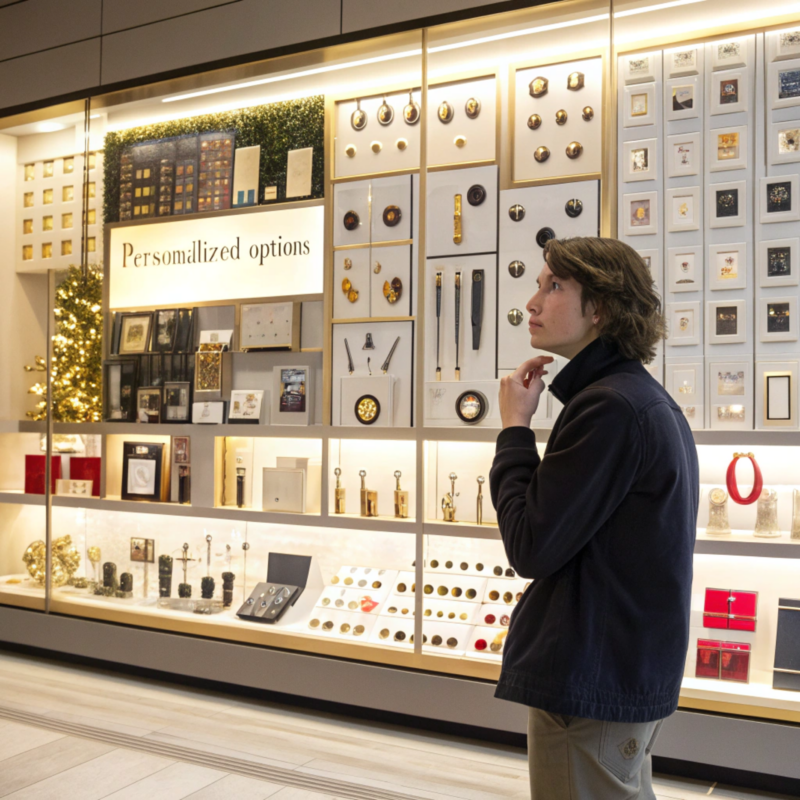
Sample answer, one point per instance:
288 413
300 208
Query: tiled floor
74 732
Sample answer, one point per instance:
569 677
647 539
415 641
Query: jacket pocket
624 746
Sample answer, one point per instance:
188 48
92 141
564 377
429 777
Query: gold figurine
65 561
449 500
457 220
369 498
339 504
400 498
479 510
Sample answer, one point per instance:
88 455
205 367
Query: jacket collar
592 363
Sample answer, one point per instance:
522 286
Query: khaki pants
572 758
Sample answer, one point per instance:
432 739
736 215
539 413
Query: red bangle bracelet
733 489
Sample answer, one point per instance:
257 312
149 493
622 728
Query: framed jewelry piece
683 209
640 213
780 199
684 155
148 404
652 260
682 98
270 326
727 149
144 473
726 322
74 488
776 394
639 67
683 324
777 319
727 204
728 92
784 44
165 330
730 394
208 371
685 269
779 262
727 266
119 387
245 406
177 401
783 84
728 53
640 105
135 332
291 397
783 143
640 160
685 384
682 61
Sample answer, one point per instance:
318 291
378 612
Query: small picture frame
223 338
728 53
683 324
684 155
292 395
685 384
640 213
726 322
148 404
74 488
181 450
727 149
246 406
783 145
682 98
652 260
165 330
727 266
777 400
208 413
119 388
640 160
730 394
177 401
639 67
684 211
208 370
685 269
785 43
727 204
135 332
780 199
779 262
184 338
777 319
728 92
682 61
143 471
143 551
783 83
640 105
269 326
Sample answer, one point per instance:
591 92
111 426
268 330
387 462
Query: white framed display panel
726 322
355 267
587 132
783 44
683 209
683 98
685 269
465 138
729 53
776 394
640 213
728 266
684 380
777 319
639 105
684 323
729 91
652 260
351 198
783 84
783 142
640 160
684 155
722 199
730 394
727 148
683 60
639 67
778 262
779 199
391 196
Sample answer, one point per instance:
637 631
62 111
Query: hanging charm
385 113
411 113
358 119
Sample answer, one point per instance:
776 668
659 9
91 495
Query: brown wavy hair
616 280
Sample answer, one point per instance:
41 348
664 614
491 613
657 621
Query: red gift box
727 661
86 468
34 473
730 609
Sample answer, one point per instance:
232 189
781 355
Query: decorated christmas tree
76 368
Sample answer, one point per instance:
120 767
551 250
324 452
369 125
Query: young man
605 525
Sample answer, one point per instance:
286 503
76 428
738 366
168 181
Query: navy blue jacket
605 524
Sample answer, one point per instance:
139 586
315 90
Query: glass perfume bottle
718 524
767 515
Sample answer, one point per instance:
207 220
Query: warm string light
76 365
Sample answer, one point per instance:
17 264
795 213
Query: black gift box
786 673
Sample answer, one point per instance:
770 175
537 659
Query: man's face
556 322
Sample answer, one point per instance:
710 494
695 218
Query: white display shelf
18 497
743 543
758 693
461 529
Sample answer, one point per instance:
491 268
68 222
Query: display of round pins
516 269
376 147
544 235
575 81
350 151
385 113
471 407
515 317
517 212
392 216
561 117
538 87
358 119
460 140
541 154
351 220
472 108
476 194
411 110
534 122
348 263
574 207
393 290
402 144
587 113
574 149
445 112
367 409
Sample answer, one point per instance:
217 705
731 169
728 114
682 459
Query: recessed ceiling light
50 127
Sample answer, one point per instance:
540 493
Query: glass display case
312 274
